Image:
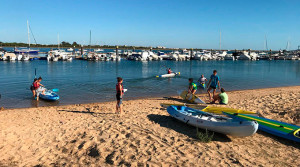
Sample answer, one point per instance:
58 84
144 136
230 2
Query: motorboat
70 50
9 57
98 50
248 56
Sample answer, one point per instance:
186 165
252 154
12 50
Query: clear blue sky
171 23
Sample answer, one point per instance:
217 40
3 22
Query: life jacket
169 71
118 87
194 86
35 85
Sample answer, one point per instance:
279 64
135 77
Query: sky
243 24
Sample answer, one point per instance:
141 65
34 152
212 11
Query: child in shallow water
39 88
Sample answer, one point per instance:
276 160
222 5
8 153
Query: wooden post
81 50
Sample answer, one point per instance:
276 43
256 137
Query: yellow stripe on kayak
219 110
259 120
210 109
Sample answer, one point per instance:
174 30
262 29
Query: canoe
168 75
213 122
210 109
277 128
49 96
190 98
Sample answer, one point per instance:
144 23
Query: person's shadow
180 127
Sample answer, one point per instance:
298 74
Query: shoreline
149 98
145 134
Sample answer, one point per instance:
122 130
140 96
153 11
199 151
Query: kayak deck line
259 120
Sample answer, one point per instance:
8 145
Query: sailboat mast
220 40
90 39
58 41
28 34
266 42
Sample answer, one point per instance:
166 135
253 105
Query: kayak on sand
277 128
213 122
210 109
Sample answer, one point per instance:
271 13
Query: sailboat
24 49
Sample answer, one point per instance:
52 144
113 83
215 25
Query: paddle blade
55 90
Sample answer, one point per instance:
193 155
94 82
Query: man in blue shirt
213 83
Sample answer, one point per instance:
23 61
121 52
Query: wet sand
93 135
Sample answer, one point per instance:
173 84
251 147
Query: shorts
39 90
222 102
213 87
119 99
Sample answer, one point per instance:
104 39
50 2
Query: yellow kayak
189 97
210 109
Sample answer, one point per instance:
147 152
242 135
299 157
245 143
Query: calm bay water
86 81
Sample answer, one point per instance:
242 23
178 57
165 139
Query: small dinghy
213 122
168 75
49 96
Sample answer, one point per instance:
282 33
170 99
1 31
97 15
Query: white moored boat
168 75
213 122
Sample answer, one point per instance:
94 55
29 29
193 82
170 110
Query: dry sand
92 135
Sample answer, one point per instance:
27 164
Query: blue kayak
281 129
49 96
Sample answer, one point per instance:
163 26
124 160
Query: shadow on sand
95 114
280 140
174 99
180 127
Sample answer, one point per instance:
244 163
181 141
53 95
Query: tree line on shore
65 44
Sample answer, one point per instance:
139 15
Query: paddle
55 90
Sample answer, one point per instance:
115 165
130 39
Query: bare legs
209 94
118 107
216 98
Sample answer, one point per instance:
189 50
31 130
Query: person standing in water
39 88
32 87
202 80
213 84
119 95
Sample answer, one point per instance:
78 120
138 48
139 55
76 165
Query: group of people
37 88
213 84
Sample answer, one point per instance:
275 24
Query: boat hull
212 122
168 75
277 128
190 98
49 96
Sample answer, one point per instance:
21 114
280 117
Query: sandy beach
144 135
